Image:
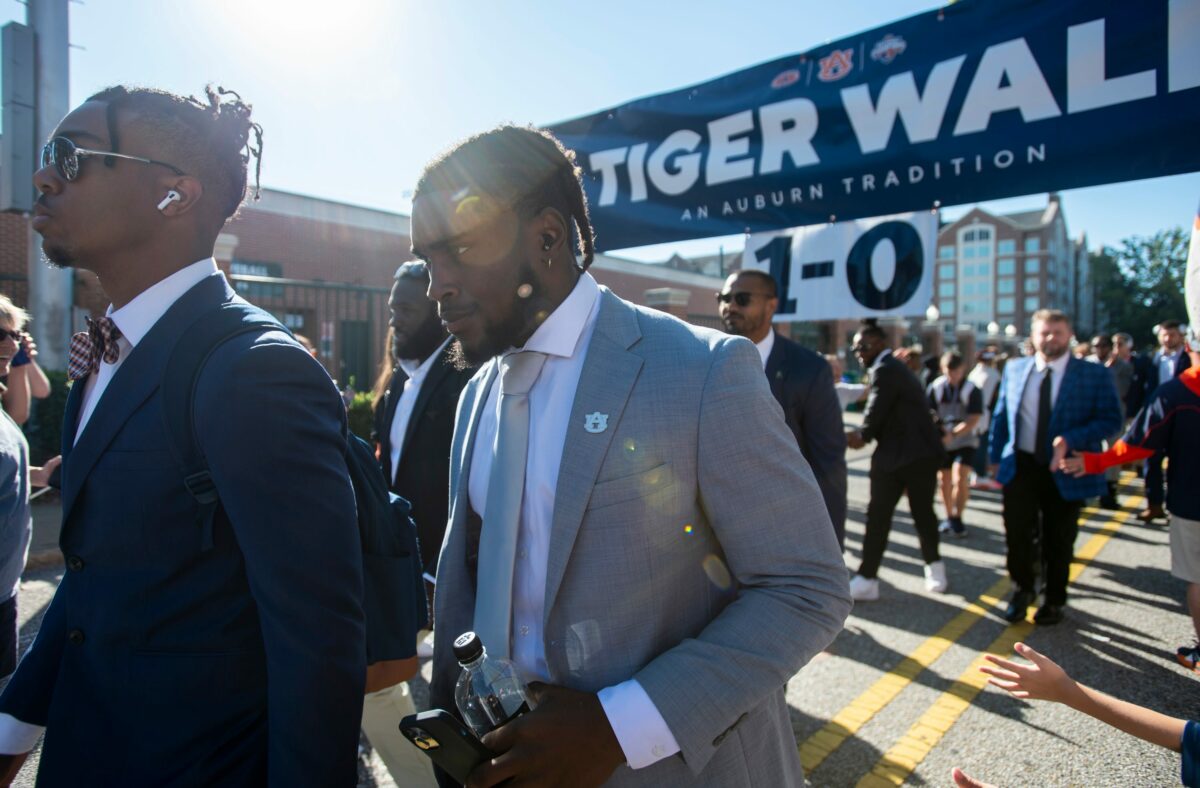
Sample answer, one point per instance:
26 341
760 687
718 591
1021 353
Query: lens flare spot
525 290
630 446
717 572
688 530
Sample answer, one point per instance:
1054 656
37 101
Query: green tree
1140 282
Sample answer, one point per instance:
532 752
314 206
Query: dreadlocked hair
211 137
524 167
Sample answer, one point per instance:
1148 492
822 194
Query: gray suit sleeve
767 513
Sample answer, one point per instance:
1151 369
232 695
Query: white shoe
935 577
863 589
425 645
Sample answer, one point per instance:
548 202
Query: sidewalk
47 521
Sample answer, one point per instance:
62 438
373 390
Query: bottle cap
468 647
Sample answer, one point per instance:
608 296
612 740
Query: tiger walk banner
978 100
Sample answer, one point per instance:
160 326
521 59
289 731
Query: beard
57 257
515 329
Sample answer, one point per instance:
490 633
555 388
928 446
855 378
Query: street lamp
1010 331
993 329
932 314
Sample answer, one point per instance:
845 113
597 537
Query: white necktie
502 510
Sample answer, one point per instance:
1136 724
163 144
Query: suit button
75 636
74 563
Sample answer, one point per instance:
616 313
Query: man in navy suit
182 649
1050 404
1169 361
801 381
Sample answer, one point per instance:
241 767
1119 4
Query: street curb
44 559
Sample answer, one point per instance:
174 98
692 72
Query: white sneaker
863 589
935 577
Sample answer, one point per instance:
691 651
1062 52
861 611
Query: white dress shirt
417 371
1166 364
764 347
564 337
1027 426
135 320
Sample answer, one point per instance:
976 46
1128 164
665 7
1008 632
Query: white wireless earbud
172 196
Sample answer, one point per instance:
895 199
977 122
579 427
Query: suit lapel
608 375
478 388
71 416
774 369
438 372
134 382
1015 411
1065 392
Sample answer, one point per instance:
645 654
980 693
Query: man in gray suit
666 562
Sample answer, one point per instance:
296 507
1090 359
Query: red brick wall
14 281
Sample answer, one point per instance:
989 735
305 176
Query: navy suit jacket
802 383
1086 412
424 473
187 653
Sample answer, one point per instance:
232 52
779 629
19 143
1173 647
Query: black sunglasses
741 298
17 336
64 155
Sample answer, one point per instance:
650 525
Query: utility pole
51 290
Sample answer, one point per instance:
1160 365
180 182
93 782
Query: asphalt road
896 698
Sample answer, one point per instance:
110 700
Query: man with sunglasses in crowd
800 380
198 642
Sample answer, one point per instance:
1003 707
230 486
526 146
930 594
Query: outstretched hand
1060 451
1072 465
1041 680
40 477
564 740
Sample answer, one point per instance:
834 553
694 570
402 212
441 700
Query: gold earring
549 261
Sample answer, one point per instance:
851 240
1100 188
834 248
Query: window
1031 303
1006 266
983 288
946 253
1006 247
946 289
976 307
946 271
1032 245
984 250
1031 266
968 270
1049 286
1032 284
1004 305
1006 285
946 307
293 320
254 290
969 235
983 234
983 269
968 251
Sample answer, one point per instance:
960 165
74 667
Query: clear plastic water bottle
488 692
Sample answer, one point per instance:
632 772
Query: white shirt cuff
17 737
641 731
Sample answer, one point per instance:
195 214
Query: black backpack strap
180 379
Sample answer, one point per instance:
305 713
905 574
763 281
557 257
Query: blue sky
356 95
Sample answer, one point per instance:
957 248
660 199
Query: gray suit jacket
711 619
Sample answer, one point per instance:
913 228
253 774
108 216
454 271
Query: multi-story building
998 269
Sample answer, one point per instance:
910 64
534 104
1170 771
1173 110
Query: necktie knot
519 371
89 347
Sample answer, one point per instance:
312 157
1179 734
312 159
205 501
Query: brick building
325 269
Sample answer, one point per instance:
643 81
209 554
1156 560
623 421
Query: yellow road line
817 747
895 765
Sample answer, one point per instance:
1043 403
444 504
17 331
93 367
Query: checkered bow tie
89 347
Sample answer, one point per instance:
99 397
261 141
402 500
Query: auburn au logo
838 64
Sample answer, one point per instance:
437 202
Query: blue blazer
1086 412
187 653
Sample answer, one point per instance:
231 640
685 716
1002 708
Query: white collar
1059 365
136 318
414 367
879 359
764 347
560 333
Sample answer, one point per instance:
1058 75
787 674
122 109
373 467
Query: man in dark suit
801 381
907 458
1168 362
181 648
413 427
1049 404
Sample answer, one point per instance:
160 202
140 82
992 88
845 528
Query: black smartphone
448 743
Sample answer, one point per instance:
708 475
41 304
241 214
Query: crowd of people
574 467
